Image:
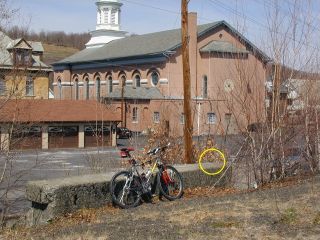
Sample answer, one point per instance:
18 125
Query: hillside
284 211
53 53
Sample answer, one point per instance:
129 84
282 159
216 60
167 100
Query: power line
233 11
270 4
242 15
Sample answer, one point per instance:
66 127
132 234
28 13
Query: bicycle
128 187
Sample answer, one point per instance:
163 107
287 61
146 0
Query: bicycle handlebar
156 150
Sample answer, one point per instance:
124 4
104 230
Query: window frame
76 85
156 117
209 119
110 84
123 80
87 86
29 86
182 119
137 79
151 76
135 115
60 88
98 88
205 86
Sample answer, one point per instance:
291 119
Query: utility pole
123 120
188 126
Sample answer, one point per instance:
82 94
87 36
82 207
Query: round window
155 78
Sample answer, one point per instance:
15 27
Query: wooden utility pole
123 107
188 126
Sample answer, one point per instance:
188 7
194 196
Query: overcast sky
143 16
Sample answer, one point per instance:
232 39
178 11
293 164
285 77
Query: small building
23 75
49 124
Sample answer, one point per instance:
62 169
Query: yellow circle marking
204 153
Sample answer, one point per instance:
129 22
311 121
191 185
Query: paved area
39 165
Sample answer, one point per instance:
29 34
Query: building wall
16 86
244 103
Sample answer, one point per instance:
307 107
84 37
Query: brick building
228 75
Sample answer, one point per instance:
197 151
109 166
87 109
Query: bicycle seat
129 149
124 152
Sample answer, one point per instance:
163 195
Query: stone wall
53 198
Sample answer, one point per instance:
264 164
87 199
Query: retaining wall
56 197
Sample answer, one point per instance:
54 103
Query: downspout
199 113
70 80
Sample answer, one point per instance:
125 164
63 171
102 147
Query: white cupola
108 26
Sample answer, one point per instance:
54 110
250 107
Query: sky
144 16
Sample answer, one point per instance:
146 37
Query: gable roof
222 47
19 43
150 44
7 44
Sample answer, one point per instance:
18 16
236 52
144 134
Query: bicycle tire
164 184
116 189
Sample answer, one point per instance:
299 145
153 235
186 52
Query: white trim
64 84
129 81
115 82
91 82
144 81
163 81
80 84
103 82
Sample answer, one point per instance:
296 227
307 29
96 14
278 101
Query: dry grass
72 219
278 213
53 53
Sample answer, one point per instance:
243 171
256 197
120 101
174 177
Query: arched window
110 86
135 115
60 88
76 87
154 78
123 80
137 79
98 88
30 86
205 86
87 92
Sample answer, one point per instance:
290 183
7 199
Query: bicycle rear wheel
170 183
124 190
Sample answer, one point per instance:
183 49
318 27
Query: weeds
289 216
316 220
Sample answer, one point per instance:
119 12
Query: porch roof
131 92
42 111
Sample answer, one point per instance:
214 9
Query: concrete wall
53 198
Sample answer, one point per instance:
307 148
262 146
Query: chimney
193 39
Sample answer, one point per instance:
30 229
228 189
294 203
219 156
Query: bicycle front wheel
170 183
124 190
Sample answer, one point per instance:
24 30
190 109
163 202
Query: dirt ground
291 212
